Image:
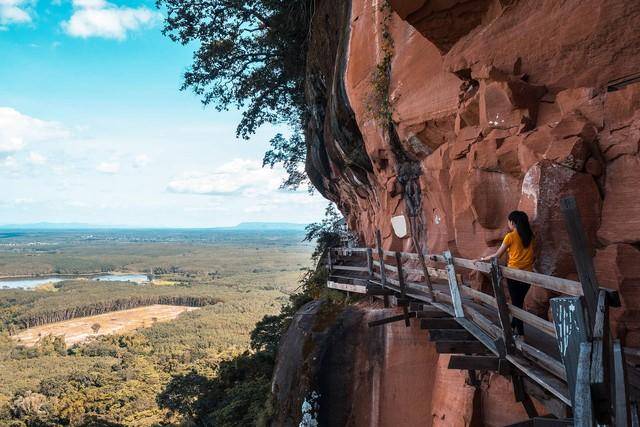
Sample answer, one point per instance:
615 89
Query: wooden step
460 347
431 314
378 290
450 335
474 363
390 319
543 422
439 323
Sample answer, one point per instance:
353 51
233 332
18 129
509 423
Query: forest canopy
250 55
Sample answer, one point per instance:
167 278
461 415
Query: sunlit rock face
499 105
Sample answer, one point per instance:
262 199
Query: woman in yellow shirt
519 245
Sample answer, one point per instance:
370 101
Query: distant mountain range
244 226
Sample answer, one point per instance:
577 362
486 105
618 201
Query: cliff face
461 111
495 105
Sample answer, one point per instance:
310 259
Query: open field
80 329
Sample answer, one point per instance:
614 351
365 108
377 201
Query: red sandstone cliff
494 105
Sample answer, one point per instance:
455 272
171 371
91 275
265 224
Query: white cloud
15 12
36 158
108 167
238 176
17 130
99 18
10 163
141 161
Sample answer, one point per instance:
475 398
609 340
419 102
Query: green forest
203 368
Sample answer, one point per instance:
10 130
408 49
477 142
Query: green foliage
380 106
325 233
251 55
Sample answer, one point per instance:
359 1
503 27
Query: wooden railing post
383 273
571 331
620 397
403 289
581 249
456 298
503 309
370 262
581 397
329 262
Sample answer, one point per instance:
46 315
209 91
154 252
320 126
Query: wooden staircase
572 365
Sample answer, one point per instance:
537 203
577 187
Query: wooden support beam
582 402
453 285
383 273
449 335
581 249
476 363
440 323
389 320
522 396
550 402
622 416
460 347
329 261
503 310
571 330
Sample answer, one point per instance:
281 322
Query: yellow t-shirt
519 256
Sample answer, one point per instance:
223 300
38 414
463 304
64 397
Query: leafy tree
326 233
251 55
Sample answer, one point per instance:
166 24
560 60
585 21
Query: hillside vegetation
131 379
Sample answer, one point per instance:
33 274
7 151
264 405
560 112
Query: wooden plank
478 363
581 249
389 320
460 347
542 359
349 268
550 383
449 335
621 397
600 357
329 261
571 330
528 318
503 310
582 404
359 289
383 274
453 285
440 323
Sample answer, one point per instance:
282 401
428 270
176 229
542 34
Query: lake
31 283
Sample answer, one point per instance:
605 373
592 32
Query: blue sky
93 128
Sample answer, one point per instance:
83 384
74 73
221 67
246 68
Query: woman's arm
501 250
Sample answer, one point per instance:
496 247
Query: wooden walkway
571 365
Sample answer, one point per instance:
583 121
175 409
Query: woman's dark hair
521 221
